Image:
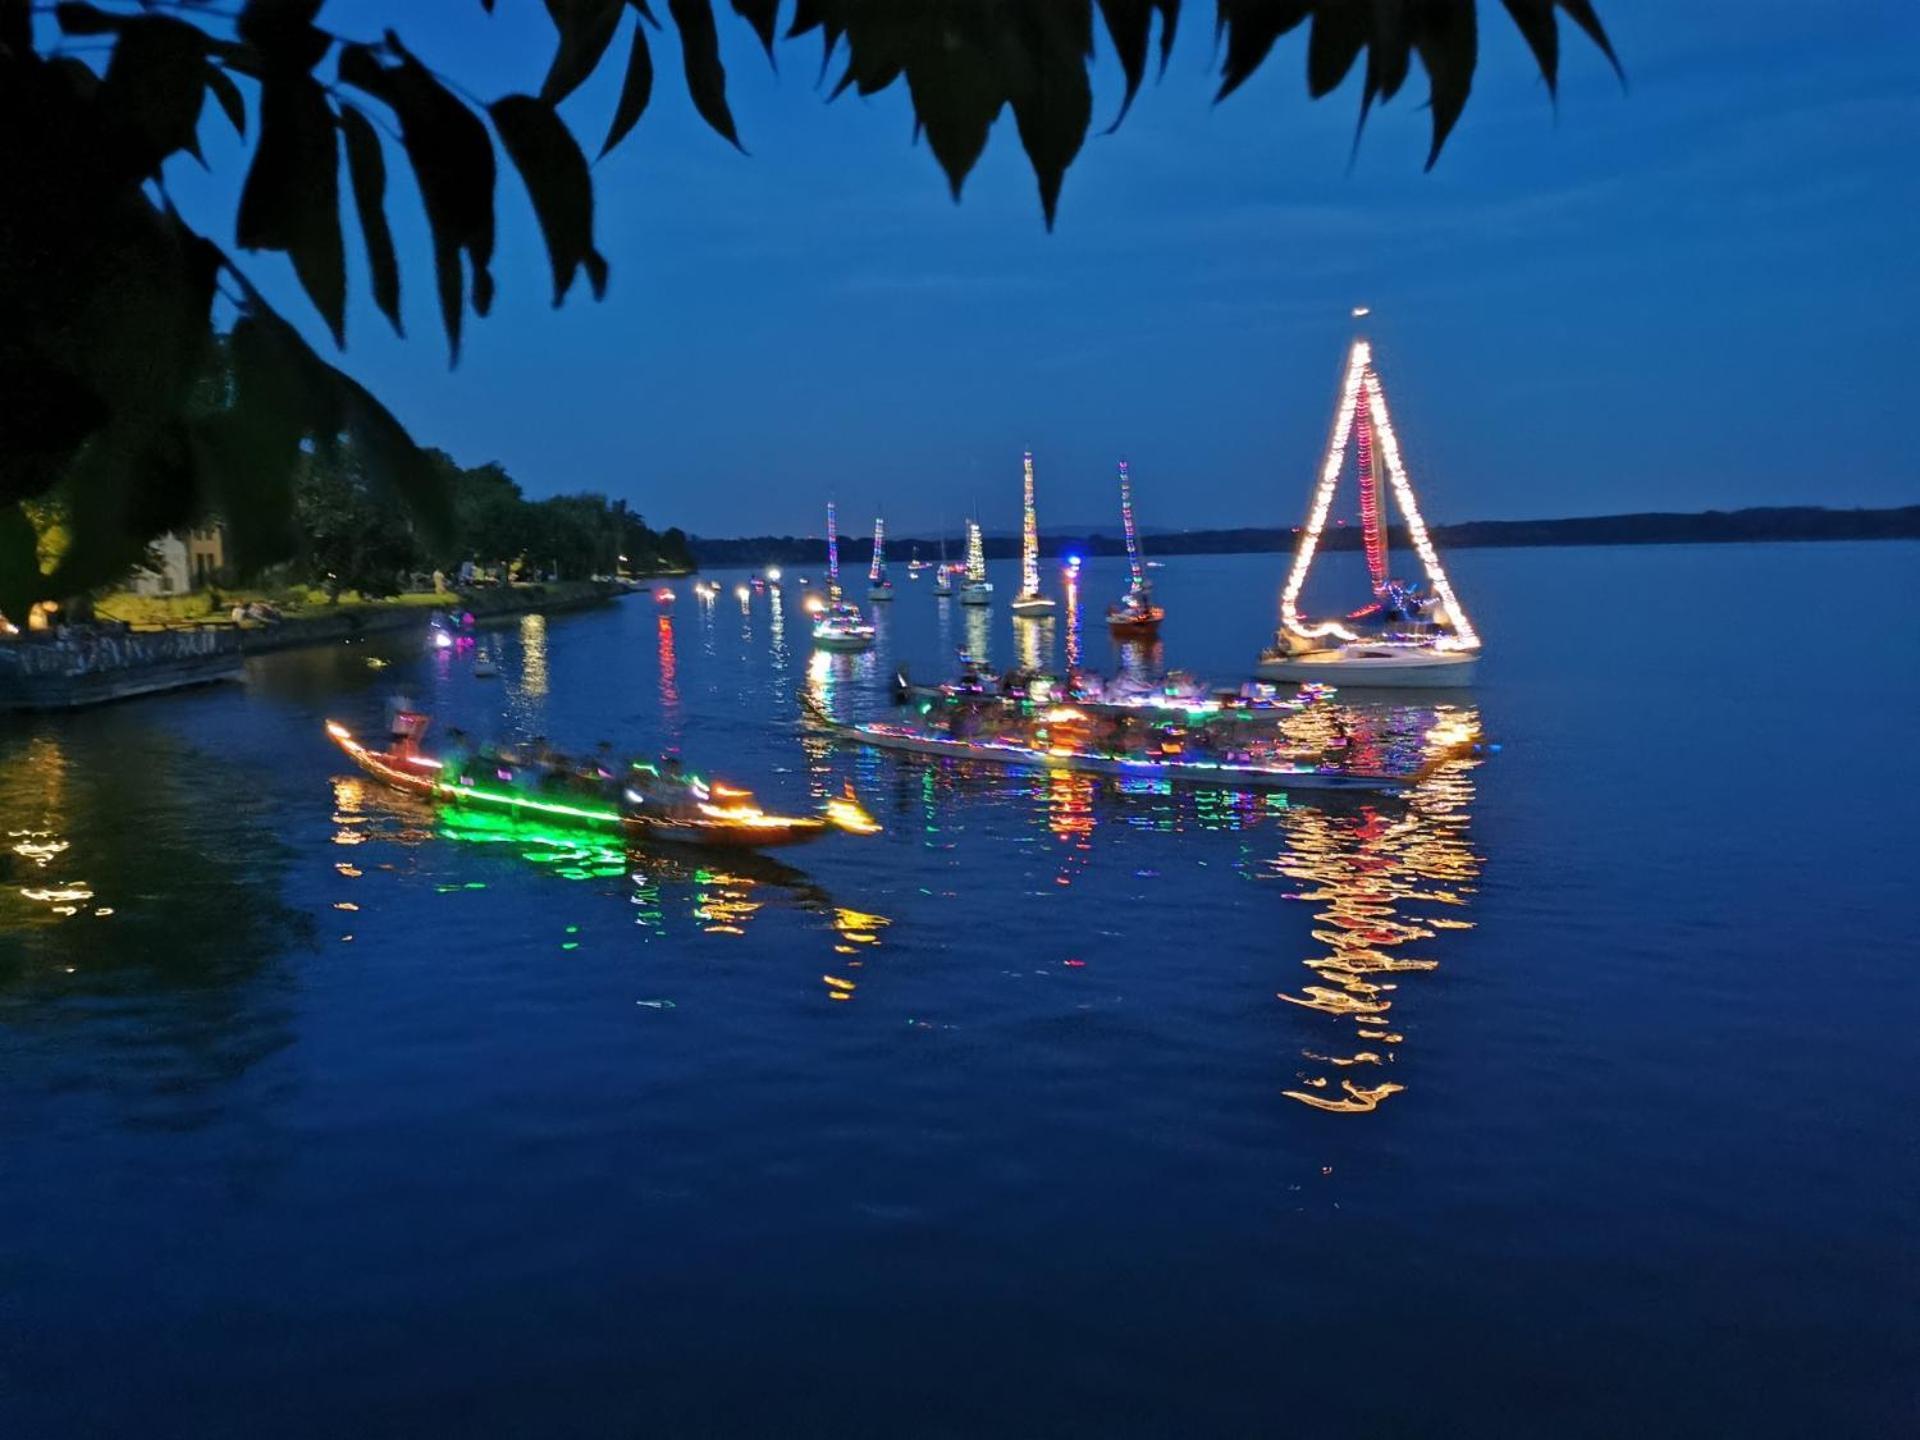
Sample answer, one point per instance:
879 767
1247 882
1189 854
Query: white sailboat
1029 601
840 626
943 572
976 589
1404 638
878 586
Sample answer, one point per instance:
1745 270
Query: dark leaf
1581 13
957 92
635 90
154 87
706 76
762 15
291 200
452 157
1536 24
283 34
1055 104
555 172
1448 44
228 94
367 169
1129 24
586 29
1250 28
1333 44
76 18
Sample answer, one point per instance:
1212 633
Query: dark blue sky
1700 293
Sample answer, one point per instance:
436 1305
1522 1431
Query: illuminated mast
1134 567
976 553
877 571
833 555
1030 601
1363 399
1029 534
1372 527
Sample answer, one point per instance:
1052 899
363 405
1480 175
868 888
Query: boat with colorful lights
879 587
840 625
975 588
1029 603
641 800
1058 741
943 573
1405 636
1177 695
1134 616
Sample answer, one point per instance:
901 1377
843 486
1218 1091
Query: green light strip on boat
545 807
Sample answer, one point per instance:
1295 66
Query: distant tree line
1786 522
352 532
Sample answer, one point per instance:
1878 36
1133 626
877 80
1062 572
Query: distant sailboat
914 563
1403 637
878 586
943 572
840 626
1134 614
978 590
1030 601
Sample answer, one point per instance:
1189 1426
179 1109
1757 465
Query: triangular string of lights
1363 407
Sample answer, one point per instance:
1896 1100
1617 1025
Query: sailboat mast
1029 534
1373 527
1126 525
879 566
976 552
833 555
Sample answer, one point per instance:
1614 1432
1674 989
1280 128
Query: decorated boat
1134 615
879 587
1405 635
975 588
1029 602
840 625
1176 696
641 802
1058 739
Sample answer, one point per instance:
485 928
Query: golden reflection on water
855 932
1071 579
36 824
1033 640
1378 874
977 628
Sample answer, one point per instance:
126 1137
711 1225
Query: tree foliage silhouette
118 401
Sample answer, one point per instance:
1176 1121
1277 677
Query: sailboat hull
1032 605
1371 667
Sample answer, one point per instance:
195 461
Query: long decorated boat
1170 700
1213 774
713 815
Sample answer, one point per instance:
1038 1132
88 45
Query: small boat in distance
1134 615
943 572
1402 638
915 564
483 666
1029 601
878 586
840 626
976 589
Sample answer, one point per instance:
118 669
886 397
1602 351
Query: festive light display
976 554
877 571
1134 568
1029 534
1372 527
833 555
1362 388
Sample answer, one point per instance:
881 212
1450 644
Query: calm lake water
322 1115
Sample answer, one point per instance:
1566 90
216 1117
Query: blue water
321 1114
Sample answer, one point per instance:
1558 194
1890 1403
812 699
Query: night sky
1699 293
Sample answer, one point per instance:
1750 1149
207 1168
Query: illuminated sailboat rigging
1404 635
1029 601
878 586
1135 612
976 589
840 626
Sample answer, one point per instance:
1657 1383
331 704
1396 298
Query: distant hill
1707 527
